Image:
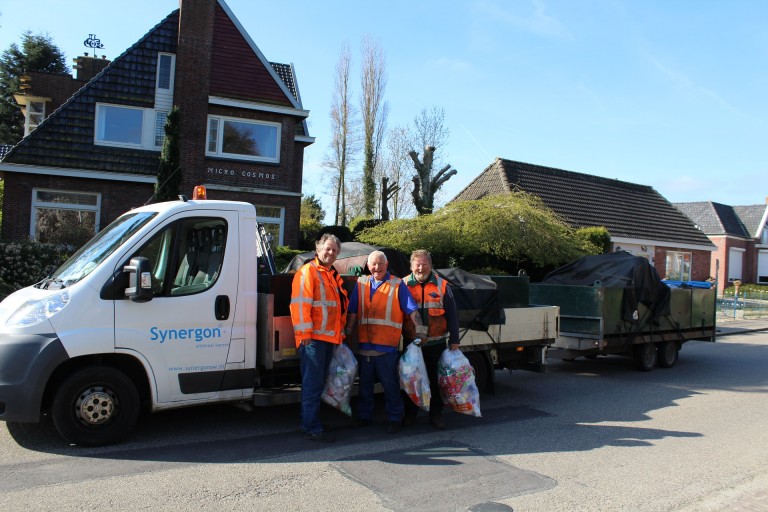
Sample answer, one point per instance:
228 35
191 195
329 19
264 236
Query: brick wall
117 197
700 262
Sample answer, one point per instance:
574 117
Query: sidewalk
726 325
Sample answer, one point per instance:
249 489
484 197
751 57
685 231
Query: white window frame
159 132
220 120
29 126
172 71
678 258
63 206
732 252
280 221
148 123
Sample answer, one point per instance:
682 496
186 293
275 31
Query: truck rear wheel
645 356
95 406
668 353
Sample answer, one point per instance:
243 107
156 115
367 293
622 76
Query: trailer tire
480 365
668 353
645 356
95 406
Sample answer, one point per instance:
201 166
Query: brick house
93 142
740 234
639 219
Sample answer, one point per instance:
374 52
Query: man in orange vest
437 310
318 313
379 303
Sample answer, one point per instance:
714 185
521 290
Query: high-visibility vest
379 318
429 298
318 304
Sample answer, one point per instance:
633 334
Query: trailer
616 304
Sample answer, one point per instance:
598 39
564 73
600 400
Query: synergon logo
197 334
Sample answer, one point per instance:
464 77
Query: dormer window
35 113
166 62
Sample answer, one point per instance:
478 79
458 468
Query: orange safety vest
379 318
430 298
318 304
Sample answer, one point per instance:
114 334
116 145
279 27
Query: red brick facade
700 262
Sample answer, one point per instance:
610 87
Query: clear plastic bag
456 379
341 375
413 376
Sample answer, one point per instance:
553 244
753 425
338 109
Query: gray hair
421 253
375 255
328 236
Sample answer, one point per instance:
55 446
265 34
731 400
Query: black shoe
437 422
393 427
359 423
322 437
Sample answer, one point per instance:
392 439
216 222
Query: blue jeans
315 360
384 369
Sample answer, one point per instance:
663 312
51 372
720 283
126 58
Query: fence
747 305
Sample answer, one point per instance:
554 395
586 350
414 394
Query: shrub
23 263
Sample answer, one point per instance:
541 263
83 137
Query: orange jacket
430 298
379 319
318 304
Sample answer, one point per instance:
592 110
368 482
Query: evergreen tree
169 170
36 53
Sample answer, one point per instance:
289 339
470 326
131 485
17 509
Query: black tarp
355 254
619 269
477 299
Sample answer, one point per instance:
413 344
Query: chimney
193 72
88 67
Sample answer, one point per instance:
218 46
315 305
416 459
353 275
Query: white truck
172 305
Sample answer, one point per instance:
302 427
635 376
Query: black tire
645 356
668 353
480 365
95 406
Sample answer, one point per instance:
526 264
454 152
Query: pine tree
169 170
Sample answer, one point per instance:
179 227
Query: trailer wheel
668 352
95 406
480 366
645 356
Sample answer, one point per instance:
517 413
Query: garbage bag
413 376
341 375
456 380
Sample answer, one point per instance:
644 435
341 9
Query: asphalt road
587 435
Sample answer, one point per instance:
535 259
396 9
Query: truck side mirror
139 280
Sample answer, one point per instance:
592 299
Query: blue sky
671 94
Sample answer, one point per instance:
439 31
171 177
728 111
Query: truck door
185 331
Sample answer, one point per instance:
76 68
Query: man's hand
421 331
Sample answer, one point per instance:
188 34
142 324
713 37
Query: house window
35 113
735 263
165 68
678 266
271 217
69 218
160 118
245 140
119 125
129 127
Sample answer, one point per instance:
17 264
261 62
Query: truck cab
158 310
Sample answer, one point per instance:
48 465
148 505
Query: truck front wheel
480 366
95 406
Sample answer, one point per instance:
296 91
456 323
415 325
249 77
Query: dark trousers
432 355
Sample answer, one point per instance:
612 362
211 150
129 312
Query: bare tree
374 112
343 143
397 167
429 130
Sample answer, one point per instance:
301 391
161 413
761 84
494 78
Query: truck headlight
35 311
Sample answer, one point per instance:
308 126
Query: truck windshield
85 260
